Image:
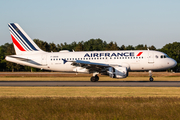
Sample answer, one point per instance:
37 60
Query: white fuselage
133 60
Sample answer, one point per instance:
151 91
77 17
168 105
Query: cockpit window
167 56
156 56
164 56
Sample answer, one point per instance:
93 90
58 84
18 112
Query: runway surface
95 84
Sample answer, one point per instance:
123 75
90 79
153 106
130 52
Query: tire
93 79
97 78
151 79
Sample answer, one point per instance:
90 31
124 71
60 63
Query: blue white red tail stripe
20 40
22 35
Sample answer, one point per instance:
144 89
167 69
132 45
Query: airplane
116 64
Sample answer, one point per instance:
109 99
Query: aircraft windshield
165 56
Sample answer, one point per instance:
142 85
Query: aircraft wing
91 63
92 66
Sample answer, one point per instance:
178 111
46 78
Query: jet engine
80 70
117 72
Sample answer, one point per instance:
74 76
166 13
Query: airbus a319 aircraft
116 64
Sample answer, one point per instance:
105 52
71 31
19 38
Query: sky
126 22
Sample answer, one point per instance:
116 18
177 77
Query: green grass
82 108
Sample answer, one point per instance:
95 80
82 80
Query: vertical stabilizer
23 44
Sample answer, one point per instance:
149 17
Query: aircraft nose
173 63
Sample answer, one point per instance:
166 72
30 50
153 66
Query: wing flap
91 63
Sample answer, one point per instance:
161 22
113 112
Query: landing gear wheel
150 75
97 77
151 79
94 78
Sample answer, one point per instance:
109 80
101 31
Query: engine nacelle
80 70
118 72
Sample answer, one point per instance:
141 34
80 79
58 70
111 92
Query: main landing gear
95 77
150 76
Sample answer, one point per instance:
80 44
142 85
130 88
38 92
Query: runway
93 84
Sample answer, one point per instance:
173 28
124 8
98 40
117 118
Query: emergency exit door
150 57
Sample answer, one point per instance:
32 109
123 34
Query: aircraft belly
61 67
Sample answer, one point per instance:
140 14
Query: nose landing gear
150 76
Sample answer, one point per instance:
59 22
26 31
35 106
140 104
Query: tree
130 47
112 46
52 47
95 45
152 47
141 47
42 45
79 47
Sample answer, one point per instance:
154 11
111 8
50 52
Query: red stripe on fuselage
139 53
17 44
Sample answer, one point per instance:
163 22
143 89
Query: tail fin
23 44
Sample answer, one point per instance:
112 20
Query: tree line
171 49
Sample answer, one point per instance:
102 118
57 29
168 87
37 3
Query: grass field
74 103
79 103
85 108
90 92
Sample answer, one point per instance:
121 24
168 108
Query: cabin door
44 60
150 57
